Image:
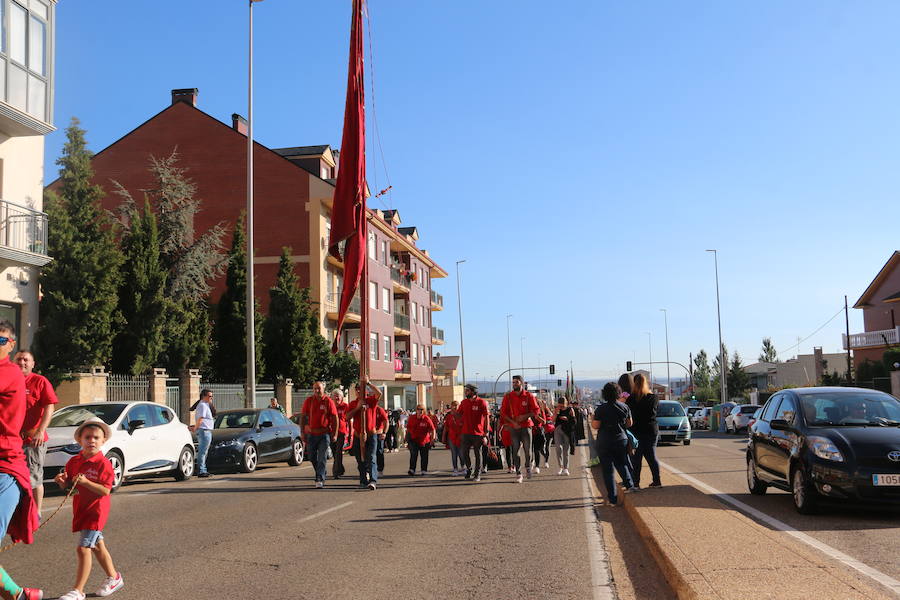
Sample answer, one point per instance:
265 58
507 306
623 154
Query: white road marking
601 579
882 578
325 512
728 450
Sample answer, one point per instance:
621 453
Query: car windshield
749 410
73 416
236 420
669 409
861 408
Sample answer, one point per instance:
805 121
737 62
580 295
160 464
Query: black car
246 437
827 443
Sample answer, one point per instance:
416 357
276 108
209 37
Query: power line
813 333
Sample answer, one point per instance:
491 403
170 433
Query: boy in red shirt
93 474
319 424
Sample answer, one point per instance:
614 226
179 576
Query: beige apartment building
26 116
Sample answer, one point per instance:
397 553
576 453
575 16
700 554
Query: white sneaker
565 471
511 470
454 473
427 472
537 470
478 477
319 485
519 479
112 584
560 471
372 485
546 465
73 595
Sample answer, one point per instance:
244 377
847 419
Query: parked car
243 438
700 420
739 417
147 439
692 410
673 422
827 443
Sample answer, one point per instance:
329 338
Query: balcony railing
437 299
332 301
23 228
401 321
869 339
402 279
403 365
437 333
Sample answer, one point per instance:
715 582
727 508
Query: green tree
141 294
79 314
768 354
868 370
701 370
344 368
229 354
737 379
286 336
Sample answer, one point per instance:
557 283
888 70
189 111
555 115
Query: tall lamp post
722 366
250 400
650 349
522 354
668 372
508 352
462 352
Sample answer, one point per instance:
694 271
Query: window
141 412
415 312
162 415
387 349
373 295
385 300
422 314
787 410
373 346
384 252
415 353
24 64
771 405
372 250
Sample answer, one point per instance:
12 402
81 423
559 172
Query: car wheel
757 487
296 454
687 442
118 467
249 458
806 499
185 468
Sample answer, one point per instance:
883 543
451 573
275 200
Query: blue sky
580 156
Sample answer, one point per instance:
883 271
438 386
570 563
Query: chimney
188 95
239 123
820 364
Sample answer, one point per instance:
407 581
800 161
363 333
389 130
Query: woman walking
564 424
539 438
643 407
421 432
610 420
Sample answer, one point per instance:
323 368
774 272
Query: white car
739 417
147 439
700 419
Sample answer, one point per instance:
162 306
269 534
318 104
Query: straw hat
93 421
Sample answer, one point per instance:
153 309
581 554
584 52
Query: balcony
401 280
402 367
23 234
437 301
437 335
872 339
331 307
336 261
401 322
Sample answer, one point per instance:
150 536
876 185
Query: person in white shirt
203 419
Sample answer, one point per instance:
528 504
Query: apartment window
422 314
384 252
415 353
373 253
24 60
385 300
415 312
387 349
373 295
373 346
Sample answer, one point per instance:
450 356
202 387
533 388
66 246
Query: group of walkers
470 429
626 433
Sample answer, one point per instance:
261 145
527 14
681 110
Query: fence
882 384
231 395
173 395
127 388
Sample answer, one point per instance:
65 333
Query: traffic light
559 383
552 369
628 366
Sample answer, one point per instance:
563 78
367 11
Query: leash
48 519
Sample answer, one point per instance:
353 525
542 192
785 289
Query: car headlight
684 425
825 448
226 443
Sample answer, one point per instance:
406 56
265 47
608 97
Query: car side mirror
780 425
136 424
266 424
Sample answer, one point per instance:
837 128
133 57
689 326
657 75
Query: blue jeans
9 500
614 454
204 439
367 463
455 455
317 445
646 450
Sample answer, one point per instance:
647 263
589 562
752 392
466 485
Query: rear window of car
73 416
749 410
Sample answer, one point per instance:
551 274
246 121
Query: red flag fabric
348 213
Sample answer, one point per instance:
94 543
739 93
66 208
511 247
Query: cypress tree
286 338
78 308
229 355
141 294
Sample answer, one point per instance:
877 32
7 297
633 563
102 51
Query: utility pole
668 373
722 366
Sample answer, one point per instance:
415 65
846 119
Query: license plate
892 479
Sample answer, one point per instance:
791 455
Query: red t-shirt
38 395
12 407
515 404
320 414
420 429
381 419
453 425
371 415
342 417
90 510
473 411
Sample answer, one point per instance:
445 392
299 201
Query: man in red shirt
518 409
366 455
319 424
475 415
421 432
337 447
39 401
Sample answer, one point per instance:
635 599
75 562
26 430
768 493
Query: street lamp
668 373
522 355
722 366
508 353
250 400
650 348
462 352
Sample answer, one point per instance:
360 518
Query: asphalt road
271 534
869 535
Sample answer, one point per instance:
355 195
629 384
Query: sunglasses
5 340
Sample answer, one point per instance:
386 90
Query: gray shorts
34 456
